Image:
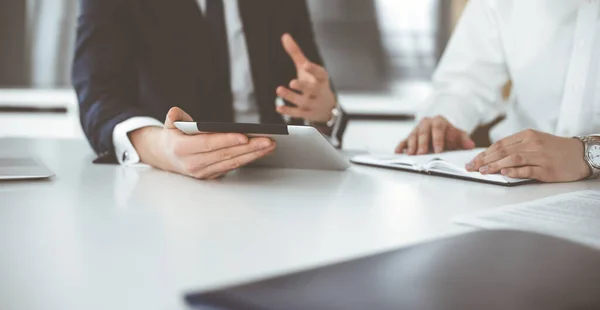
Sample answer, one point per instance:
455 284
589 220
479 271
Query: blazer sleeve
303 33
104 73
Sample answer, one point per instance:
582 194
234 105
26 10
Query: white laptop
22 168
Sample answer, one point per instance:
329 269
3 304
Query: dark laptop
502 270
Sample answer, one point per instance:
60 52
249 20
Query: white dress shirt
549 49
242 87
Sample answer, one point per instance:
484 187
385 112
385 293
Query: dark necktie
215 18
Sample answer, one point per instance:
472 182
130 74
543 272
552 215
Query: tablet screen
243 128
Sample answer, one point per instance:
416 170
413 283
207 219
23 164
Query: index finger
295 52
424 137
317 71
508 142
439 136
210 142
402 146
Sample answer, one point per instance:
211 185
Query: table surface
110 237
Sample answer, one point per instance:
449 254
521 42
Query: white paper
574 216
457 158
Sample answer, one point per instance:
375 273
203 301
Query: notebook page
452 169
457 158
449 163
395 160
574 216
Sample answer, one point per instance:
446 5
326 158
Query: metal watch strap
336 113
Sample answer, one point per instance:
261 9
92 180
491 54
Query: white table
108 237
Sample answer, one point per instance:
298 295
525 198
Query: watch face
594 155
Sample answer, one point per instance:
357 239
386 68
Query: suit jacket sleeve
104 73
303 33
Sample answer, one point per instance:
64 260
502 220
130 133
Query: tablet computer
298 147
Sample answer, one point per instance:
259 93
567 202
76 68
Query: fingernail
242 140
422 150
265 144
484 169
438 149
470 166
503 172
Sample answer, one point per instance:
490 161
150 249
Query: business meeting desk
108 237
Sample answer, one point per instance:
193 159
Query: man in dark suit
219 60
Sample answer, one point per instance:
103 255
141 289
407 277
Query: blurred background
380 53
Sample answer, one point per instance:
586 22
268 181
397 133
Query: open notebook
450 164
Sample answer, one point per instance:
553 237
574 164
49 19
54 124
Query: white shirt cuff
334 132
124 150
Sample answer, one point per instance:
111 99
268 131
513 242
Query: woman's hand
435 135
534 155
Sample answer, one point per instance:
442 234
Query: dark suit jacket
142 57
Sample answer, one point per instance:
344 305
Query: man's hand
313 96
435 135
534 155
203 156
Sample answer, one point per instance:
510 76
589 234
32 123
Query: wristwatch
592 153
336 113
